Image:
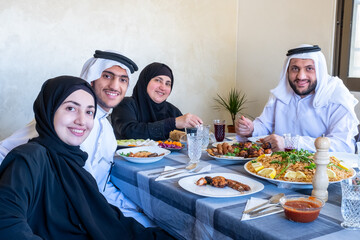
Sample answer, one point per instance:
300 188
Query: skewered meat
237 185
202 181
222 182
219 181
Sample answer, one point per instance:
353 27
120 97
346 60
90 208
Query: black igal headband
293 51
118 58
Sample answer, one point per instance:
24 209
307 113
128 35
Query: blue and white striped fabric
189 216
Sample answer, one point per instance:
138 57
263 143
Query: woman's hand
187 120
244 127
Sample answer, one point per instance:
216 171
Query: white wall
46 38
266 30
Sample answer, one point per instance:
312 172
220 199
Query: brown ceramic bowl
299 208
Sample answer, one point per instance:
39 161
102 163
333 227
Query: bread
176 135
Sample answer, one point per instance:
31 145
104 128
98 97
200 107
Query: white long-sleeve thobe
299 117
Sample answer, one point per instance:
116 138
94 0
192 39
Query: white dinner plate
152 149
256 139
189 184
229 142
275 181
230 158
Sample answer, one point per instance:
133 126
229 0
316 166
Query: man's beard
311 88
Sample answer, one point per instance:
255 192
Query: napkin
252 202
201 168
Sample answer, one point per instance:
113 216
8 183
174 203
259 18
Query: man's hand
244 127
187 120
276 141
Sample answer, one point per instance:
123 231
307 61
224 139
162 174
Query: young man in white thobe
308 102
108 73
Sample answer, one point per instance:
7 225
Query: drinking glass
290 142
350 203
219 129
194 144
204 130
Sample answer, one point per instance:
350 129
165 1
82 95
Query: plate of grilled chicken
220 185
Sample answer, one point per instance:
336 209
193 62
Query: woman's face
159 88
74 119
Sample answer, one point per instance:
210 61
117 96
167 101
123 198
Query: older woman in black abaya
147 114
45 193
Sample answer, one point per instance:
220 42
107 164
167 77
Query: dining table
187 215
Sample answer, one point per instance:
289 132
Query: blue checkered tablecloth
189 216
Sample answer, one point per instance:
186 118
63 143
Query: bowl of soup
300 208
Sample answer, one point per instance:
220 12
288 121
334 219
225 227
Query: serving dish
153 149
189 184
299 208
248 166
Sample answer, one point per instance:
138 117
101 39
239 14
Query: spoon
273 200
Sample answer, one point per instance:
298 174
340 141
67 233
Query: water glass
350 203
204 130
194 145
219 129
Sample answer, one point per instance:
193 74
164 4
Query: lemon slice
290 174
300 175
342 165
260 157
331 173
267 172
257 166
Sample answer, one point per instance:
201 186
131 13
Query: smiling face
74 119
302 76
111 87
159 88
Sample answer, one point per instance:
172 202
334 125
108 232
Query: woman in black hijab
147 114
45 193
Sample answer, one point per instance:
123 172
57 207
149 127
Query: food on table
142 154
241 149
175 135
136 142
296 166
222 182
170 144
267 172
301 208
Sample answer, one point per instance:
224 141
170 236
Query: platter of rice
296 167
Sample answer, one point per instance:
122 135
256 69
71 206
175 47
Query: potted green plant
234 103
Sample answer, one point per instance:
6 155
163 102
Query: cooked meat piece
219 181
153 155
208 179
202 181
266 145
268 151
247 145
243 153
238 185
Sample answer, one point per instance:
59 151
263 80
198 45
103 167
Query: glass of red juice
219 130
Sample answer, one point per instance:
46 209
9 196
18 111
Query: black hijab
150 111
96 215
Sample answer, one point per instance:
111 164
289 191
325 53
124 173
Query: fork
195 170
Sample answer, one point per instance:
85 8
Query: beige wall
211 45
44 39
266 30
